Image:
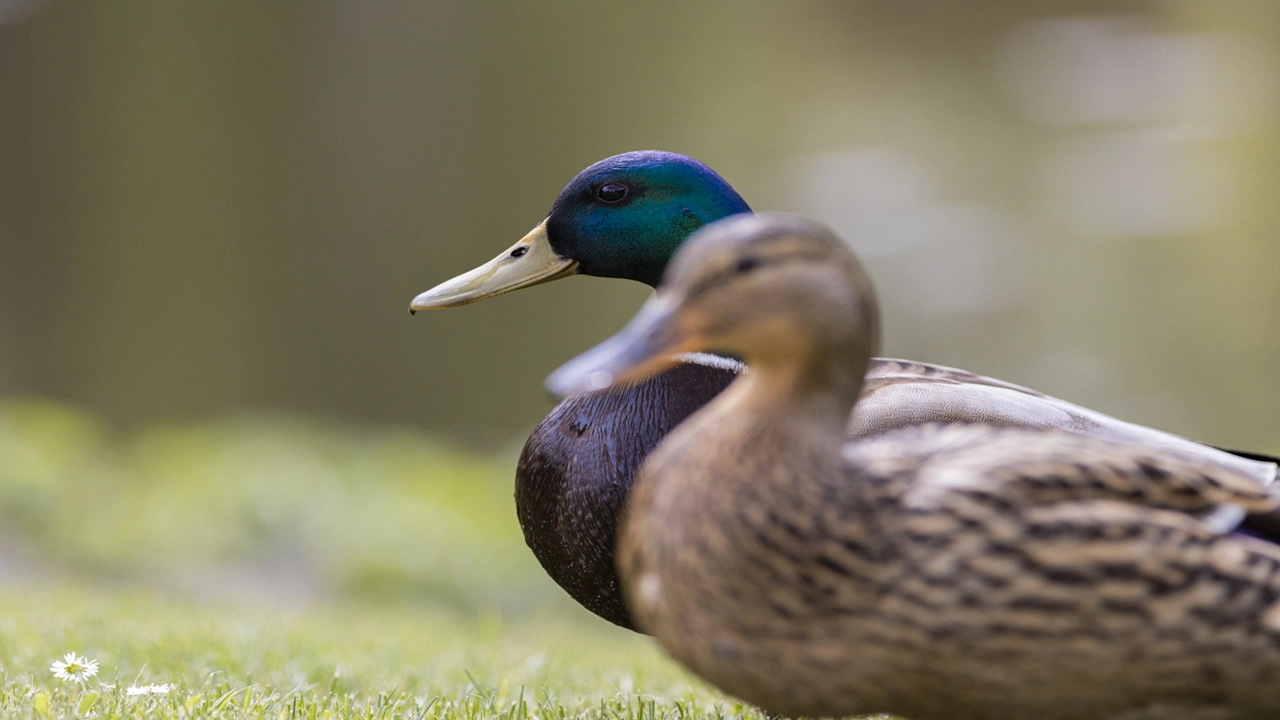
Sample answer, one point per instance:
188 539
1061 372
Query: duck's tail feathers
1264 526
1260 457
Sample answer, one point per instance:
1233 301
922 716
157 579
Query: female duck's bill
649 343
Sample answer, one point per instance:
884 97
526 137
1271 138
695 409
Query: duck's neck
819 389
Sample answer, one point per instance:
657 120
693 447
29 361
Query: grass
330 660
274 567
271 506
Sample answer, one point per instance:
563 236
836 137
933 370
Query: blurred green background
213 216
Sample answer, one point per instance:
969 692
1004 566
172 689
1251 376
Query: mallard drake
624 217
942 572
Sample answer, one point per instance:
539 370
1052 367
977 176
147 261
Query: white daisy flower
74 667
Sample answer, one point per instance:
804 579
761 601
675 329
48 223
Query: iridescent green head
623 217
626 216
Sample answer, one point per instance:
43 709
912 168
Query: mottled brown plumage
937 573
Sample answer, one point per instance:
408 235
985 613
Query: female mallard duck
624 217
940 572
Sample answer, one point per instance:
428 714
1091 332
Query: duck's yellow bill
531 261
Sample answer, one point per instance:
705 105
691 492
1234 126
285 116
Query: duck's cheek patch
649 590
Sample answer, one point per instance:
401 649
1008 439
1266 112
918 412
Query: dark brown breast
578 466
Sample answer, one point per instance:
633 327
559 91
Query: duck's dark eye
612 192
520 251
747 264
